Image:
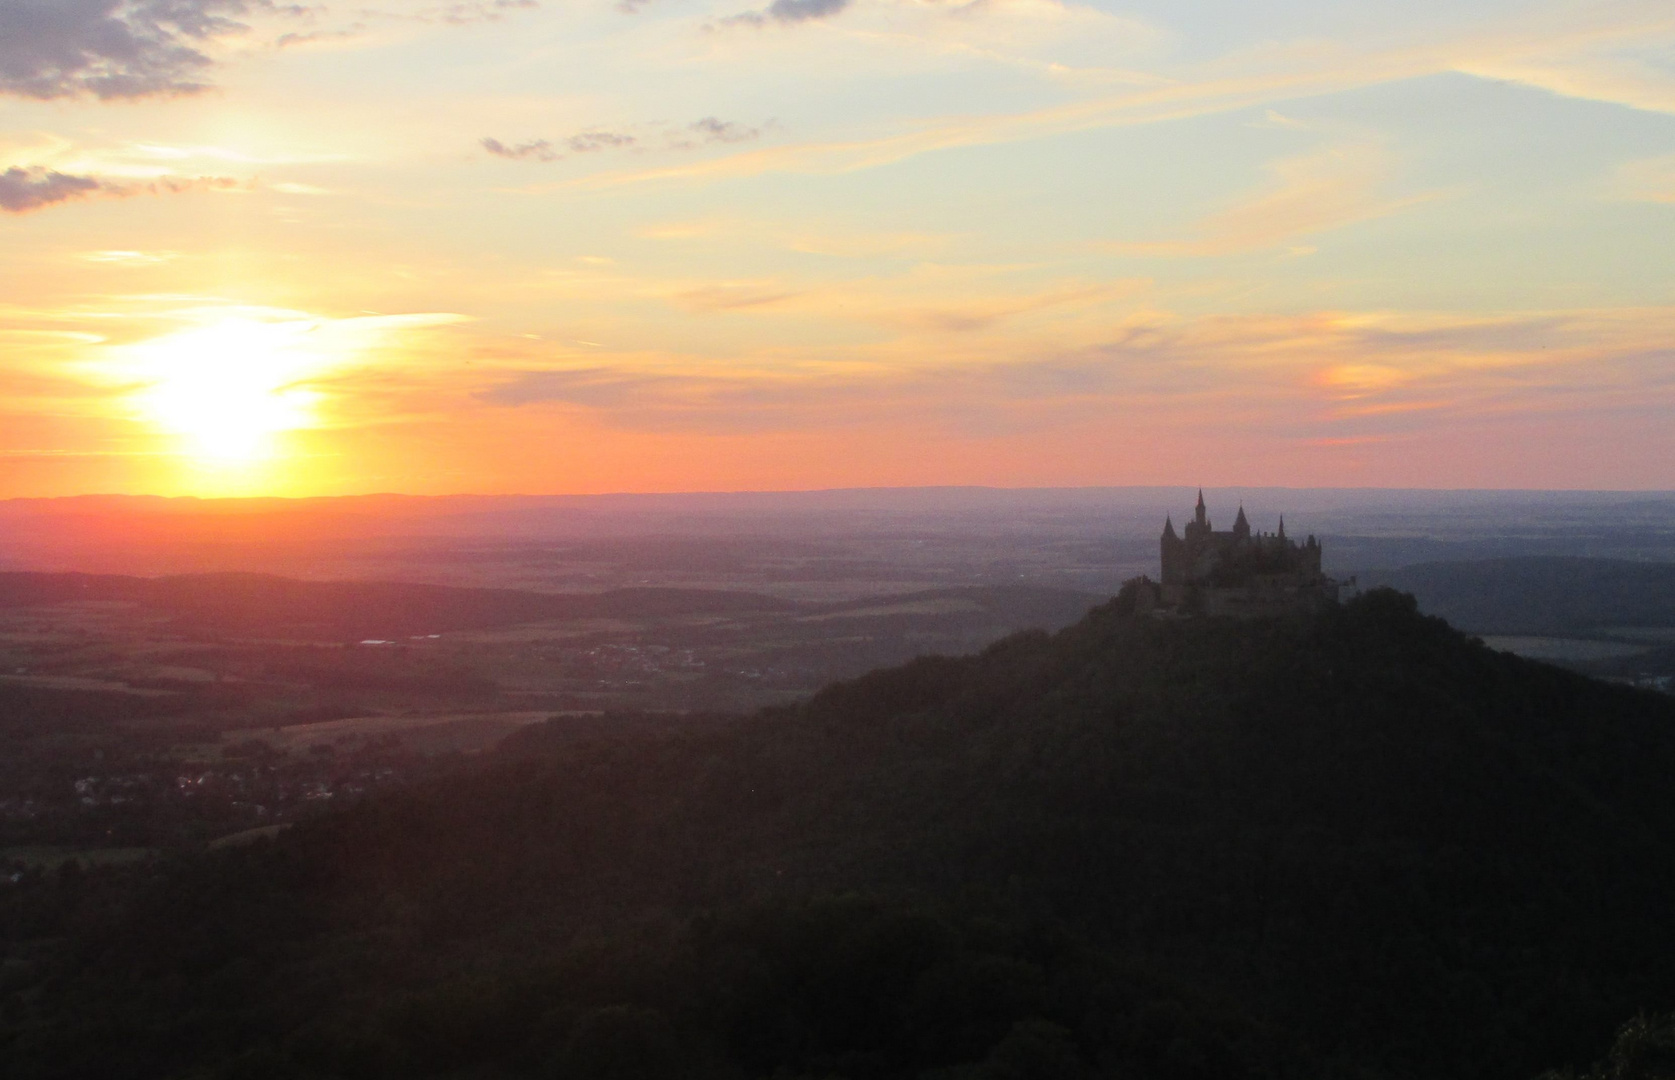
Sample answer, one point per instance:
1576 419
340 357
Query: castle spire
1241 524
1199 514
1168 527
1282 526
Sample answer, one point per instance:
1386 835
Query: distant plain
331 631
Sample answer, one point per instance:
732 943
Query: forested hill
1349 845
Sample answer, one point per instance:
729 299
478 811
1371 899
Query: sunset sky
581 246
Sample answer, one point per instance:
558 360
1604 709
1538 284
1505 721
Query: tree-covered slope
1350 844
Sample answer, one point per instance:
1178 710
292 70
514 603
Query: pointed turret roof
1168 527
1282 526
1241 524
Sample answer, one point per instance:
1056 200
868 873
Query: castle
1237 572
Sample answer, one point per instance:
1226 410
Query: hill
1541 594
1351 844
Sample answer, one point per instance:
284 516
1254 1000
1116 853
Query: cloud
710 129
23 190
1315 376
111 49
591 141
537 150
365 20
789 12
130 258
465 14
1261 78
318 37
588 142
731 296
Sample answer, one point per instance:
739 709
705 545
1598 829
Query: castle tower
1241 525
1172 561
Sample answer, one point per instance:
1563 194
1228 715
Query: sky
552 246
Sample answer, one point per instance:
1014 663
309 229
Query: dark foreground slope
1356 844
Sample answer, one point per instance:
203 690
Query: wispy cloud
789 12
732 296
466 13
1331 376
130 258
1583 52
710 129
336 36
588 142
23 190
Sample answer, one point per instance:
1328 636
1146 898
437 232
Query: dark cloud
789 12
23 190
111 48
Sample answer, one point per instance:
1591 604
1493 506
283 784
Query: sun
229 388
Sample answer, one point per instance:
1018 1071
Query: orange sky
524 247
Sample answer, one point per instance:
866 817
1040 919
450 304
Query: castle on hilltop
1237 572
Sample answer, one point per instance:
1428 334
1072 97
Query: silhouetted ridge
1350 843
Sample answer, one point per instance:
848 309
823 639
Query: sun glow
229 388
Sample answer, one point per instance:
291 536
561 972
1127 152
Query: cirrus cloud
710 129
